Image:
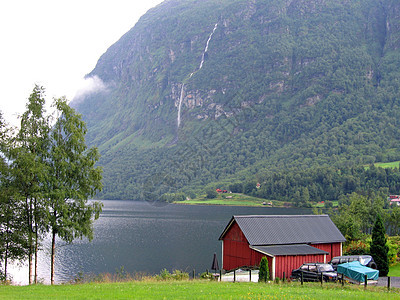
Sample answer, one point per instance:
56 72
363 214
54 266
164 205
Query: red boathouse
287 242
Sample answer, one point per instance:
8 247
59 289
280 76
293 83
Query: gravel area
394 281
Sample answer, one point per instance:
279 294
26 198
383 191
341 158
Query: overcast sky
56 43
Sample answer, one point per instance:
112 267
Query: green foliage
173 197
206 275
72 179
356 212
47 174
263 274
359 247
175 275
211 194
379 248
393 252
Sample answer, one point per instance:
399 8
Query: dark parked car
313 272
365 260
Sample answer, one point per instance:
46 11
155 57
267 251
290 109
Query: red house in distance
287 242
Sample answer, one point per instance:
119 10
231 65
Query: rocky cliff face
275 70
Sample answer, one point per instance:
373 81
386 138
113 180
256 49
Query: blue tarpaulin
357 271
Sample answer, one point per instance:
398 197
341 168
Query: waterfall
208 42
180 105
191 74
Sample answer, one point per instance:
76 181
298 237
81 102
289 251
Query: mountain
213 92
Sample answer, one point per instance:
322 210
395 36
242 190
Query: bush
393 251
236 188
176 275
179 275
356 248
206 275
211 194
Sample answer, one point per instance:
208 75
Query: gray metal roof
302 249
287 229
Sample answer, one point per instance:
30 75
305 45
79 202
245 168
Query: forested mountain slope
231 90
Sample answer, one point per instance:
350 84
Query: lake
142 237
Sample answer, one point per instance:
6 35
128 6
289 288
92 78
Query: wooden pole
322 279
194 275
250 275
220 275
365 281
284 276
388 283
234 275
302 279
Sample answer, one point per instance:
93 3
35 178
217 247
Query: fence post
342 279
302 280
250 275
194 275
234 275
322 278
220 275
366 281
388 283
284 276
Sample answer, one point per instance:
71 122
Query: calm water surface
145 238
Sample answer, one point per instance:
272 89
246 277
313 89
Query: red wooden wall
334 249
237 252
288 263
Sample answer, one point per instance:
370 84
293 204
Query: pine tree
379 249
263 274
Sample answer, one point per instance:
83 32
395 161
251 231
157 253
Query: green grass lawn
231 199
195 290
394 270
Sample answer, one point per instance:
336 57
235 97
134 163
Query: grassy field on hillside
393 164
232 199
243 200
195 290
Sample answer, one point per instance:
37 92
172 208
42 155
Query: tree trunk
30 265
53 254
36 255
6 260
30 238
36 239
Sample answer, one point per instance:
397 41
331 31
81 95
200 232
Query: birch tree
12 234
29 170
72 180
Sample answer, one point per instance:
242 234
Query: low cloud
90 86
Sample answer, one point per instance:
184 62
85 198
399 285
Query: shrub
356 248
179 275
164 275
206 275
393 251
263 274
176 275
211 194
